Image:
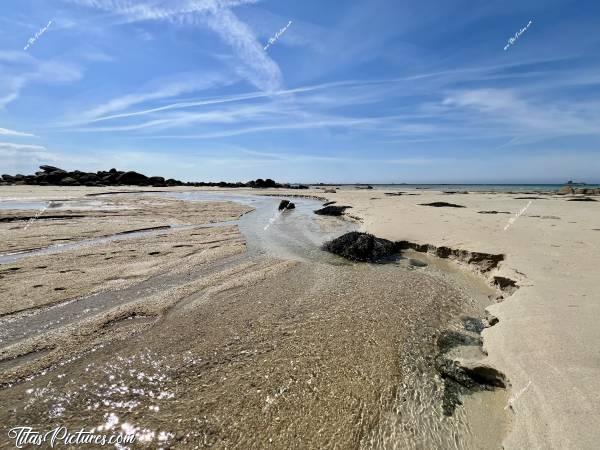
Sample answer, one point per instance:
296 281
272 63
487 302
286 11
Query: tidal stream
402 306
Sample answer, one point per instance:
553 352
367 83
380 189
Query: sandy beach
273 225
546 328
203 330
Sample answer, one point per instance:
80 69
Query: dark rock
451 369
582 199
260 183
358 246
530 198
332 210
473 324
493 212
442 204
328 203
492 320
484 374
452 396
286 204
447 340
89 178
506 284
157 180
443 252
463 378
50 169
132 178
69 181
55 176
8 178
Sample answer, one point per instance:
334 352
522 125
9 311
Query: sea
467 187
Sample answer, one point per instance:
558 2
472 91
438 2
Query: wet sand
216 346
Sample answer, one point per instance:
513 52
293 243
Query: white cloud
521 115
186 85
10 147
17 72
7 132
256 66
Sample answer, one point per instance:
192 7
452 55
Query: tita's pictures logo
512 40
60 435
279 33
32 40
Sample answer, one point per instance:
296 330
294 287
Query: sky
353 91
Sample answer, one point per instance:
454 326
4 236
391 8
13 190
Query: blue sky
352 91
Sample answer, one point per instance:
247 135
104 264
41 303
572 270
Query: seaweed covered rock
358 246
286 204
332 210
442 205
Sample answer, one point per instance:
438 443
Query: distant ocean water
468 187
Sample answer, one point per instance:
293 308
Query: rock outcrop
332 210
358 246
286 204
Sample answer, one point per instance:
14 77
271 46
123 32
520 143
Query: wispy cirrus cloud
536 119
9 146
17 71
438 111
7 132
157 90
255 65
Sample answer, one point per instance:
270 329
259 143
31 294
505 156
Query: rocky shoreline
54 176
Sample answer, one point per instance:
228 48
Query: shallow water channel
413 419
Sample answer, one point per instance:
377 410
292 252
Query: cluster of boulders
50 175
54 176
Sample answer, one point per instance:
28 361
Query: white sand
549 329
